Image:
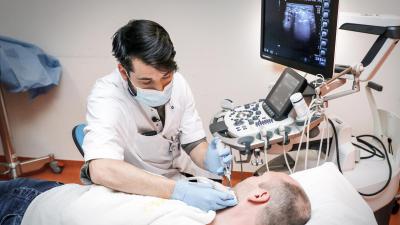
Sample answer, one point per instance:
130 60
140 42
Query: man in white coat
140 118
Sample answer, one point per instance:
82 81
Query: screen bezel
282 114
326 71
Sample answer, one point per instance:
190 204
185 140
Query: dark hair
145 40
288 205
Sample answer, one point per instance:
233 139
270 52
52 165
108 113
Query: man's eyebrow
148 78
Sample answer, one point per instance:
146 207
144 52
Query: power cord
387 159
390 146
373 150
336 144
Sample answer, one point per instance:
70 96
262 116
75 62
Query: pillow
334 201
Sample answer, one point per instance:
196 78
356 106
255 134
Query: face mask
154 98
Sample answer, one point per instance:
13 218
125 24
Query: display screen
300 34
283 91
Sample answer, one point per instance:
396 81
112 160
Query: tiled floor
70 174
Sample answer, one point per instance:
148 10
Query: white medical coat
116 122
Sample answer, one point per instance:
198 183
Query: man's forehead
142 69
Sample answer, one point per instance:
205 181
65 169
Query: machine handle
375 86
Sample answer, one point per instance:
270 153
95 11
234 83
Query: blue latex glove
202 196
217 157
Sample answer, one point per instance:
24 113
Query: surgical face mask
152 98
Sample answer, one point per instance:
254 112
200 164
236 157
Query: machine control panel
267 116
248 119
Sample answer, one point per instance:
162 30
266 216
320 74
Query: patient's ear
258 196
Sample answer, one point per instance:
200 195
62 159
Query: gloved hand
217 157
202 196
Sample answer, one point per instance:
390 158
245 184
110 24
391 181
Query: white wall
217 45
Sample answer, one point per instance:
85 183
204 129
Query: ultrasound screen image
299 23
298 30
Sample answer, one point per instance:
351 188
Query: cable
337 145
319 81
326 128
308 141
390 145
328 146
264 136
284 153
301 140
388 161
230 168
373 150
318 110
265 153
359 138
241 167
377 152
302 134
320 143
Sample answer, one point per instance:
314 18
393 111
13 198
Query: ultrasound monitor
300 34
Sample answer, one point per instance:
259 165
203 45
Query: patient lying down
273 198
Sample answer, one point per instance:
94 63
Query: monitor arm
388 30
338 81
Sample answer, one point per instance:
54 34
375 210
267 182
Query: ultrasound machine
301 34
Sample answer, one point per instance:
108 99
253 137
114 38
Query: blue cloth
25 67
16 195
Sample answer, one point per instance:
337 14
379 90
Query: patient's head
273 198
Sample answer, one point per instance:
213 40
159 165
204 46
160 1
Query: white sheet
333 199
85 205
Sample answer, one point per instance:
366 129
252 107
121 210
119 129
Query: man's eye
146 82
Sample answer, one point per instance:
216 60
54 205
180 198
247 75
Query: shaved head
288 203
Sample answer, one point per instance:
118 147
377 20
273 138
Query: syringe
227 174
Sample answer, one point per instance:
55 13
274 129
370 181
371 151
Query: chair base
16 168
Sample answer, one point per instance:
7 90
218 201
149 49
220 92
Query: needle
228 178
